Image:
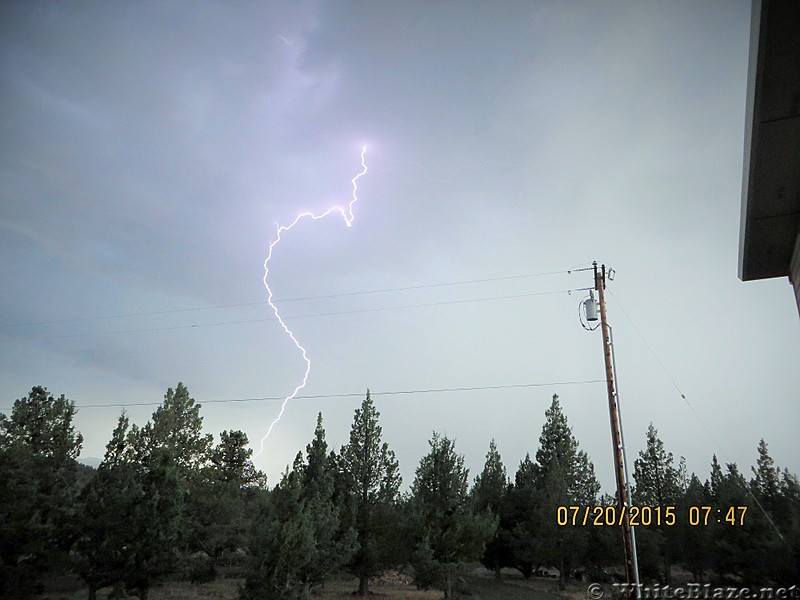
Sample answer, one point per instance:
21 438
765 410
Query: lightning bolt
347 215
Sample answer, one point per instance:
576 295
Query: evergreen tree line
169 502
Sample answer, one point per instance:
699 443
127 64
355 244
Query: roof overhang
770 217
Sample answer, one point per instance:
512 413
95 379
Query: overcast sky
148 151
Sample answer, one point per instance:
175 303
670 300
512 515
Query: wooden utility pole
616 434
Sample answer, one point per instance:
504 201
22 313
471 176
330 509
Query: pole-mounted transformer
590 307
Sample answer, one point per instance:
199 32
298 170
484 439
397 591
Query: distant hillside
90 461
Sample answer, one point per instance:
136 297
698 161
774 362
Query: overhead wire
366 310
354 394
303 316
745 485
298 299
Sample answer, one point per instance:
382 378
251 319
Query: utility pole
631 567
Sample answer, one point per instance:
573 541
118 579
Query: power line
264 302
744 483
266 319
353 395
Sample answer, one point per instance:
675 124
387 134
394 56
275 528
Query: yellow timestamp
703 515
646 516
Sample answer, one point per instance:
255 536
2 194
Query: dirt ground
482 585
228 589
475 583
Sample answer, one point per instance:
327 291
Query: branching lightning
347 215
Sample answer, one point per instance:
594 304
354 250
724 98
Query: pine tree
283 549
778 493
169 455
335 543
735 547
526 475
603 546
521 521
450 531
175 436
563 475
106 541
373 478
491 484
714 479
788 568
557 446
177 428
231 461
131 515
658 483
43 424
657 479
490 493
38 488
766 483
564 546
748 546
298 541
693 541
158 522
223 504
